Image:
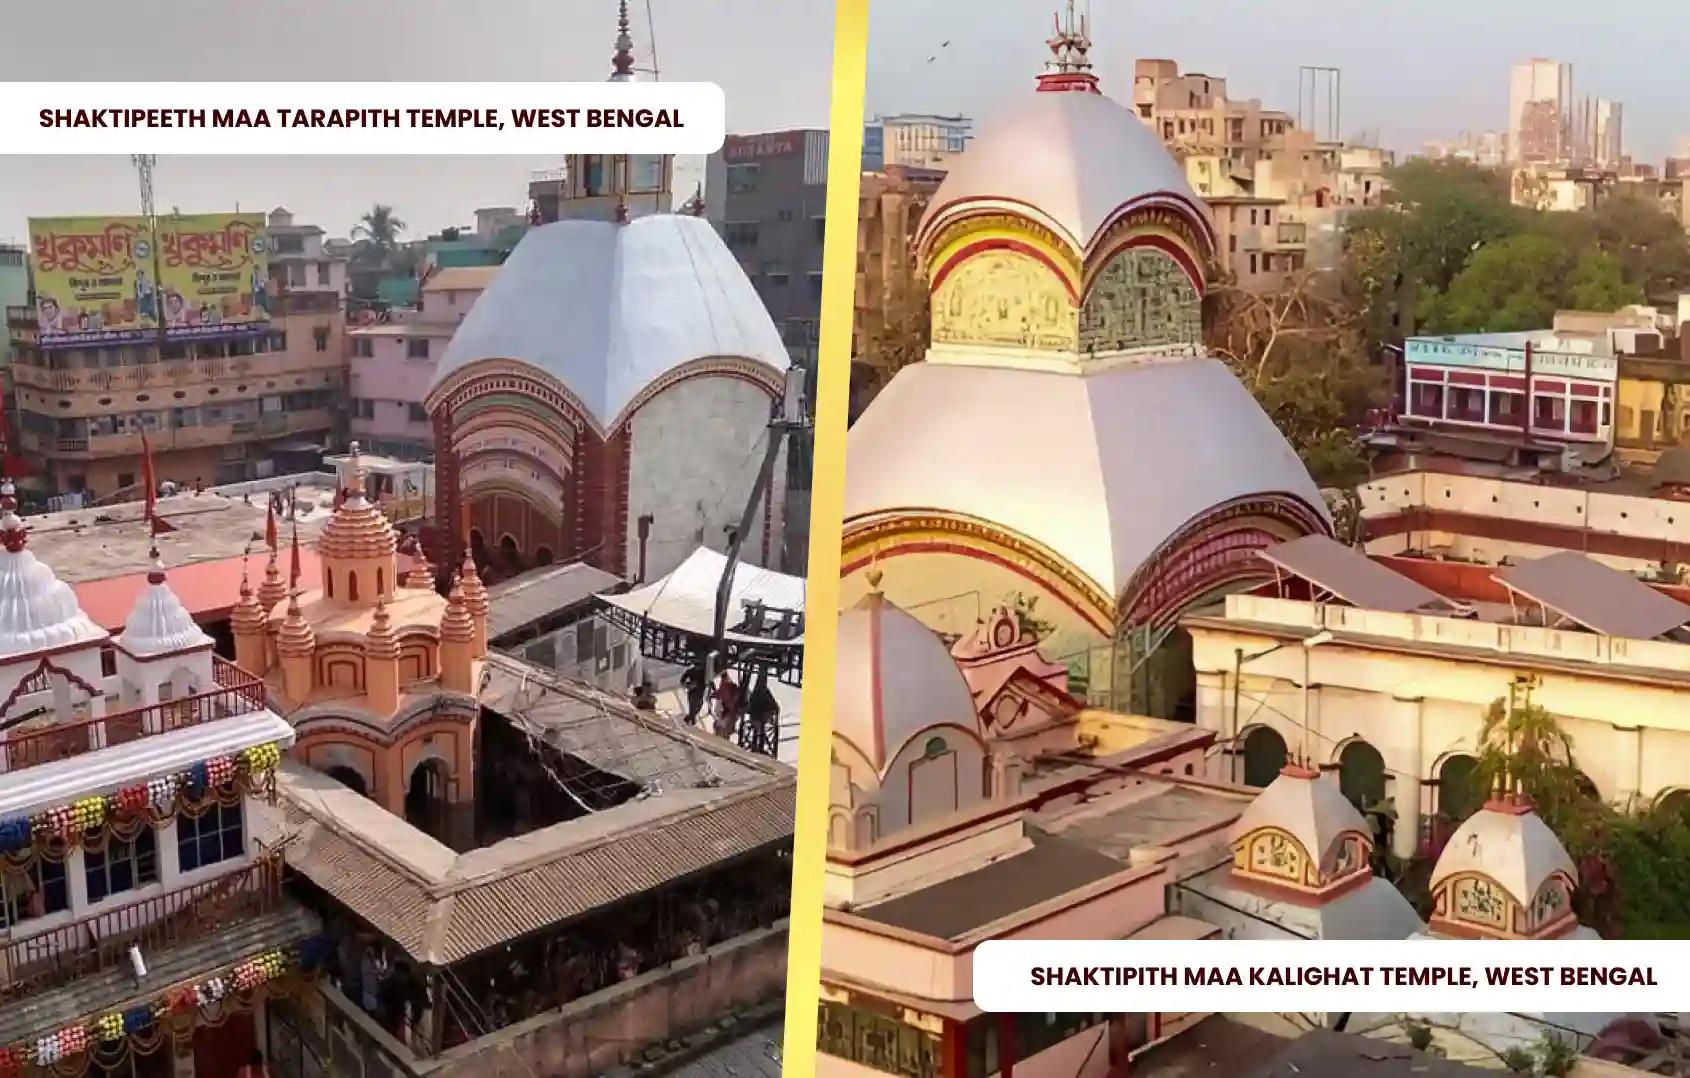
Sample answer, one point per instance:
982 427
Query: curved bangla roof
1514 848
1100 469
1308 807
1074 158
895 678
607 309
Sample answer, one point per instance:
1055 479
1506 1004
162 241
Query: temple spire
622 61
1069 68
13 533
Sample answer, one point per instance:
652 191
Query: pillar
296 648
1409 767
381 664
1628 766
1212 705
457 645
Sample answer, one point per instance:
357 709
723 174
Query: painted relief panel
1480 902
1141 299
1004 299
1269 853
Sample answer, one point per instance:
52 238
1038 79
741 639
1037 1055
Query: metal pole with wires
788 416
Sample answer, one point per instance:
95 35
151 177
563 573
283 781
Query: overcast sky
1415 71
772 58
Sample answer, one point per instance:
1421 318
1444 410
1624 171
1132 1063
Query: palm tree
377 233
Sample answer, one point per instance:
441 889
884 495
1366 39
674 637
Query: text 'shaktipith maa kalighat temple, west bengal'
374 843
1066 443
1067 462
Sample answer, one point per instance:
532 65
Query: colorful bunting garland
110 1028
68 823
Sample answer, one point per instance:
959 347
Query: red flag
339 497
150 481
294 570
270 528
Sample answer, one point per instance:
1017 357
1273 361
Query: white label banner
1366 976
361 117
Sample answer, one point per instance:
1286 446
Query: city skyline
560 40
922 60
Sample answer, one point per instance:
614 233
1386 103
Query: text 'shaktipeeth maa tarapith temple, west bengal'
1066 441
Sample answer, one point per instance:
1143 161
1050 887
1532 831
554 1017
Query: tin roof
1601 599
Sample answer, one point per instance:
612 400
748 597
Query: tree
377 233
1520 281
1648 244
1633 866
1438 214
1299 351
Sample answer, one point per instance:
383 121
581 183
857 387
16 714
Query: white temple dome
607 309
38 611
1075 161
895 678
1308 807
1511 845
1125 458
159 624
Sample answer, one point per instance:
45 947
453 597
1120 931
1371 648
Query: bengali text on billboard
214 272
93 279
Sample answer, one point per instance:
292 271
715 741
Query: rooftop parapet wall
1629 515
1522 643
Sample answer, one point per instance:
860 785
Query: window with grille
215 836
123 865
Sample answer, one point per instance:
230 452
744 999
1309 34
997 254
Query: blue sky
1412 70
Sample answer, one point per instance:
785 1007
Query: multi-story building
299 266
218 401
392 364
1600 133
1561 188
139 923
915 139
767 195
1478 383
1540 107
1487 149
1193 115
1387 666
14 292
1279 195
889 324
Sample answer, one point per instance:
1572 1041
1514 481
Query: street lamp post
1307 643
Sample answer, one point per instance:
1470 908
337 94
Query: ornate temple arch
933 532
1213 552
471 408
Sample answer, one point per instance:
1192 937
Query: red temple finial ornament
622 62
13 534
1069 68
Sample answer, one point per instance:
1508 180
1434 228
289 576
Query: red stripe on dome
1000 244
940 546
1162 243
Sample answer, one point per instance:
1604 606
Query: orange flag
150 481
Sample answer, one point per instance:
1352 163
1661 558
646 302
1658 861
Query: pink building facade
392 364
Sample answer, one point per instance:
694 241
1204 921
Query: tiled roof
441 907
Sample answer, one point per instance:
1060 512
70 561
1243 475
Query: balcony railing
237 693
101 941
168 438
